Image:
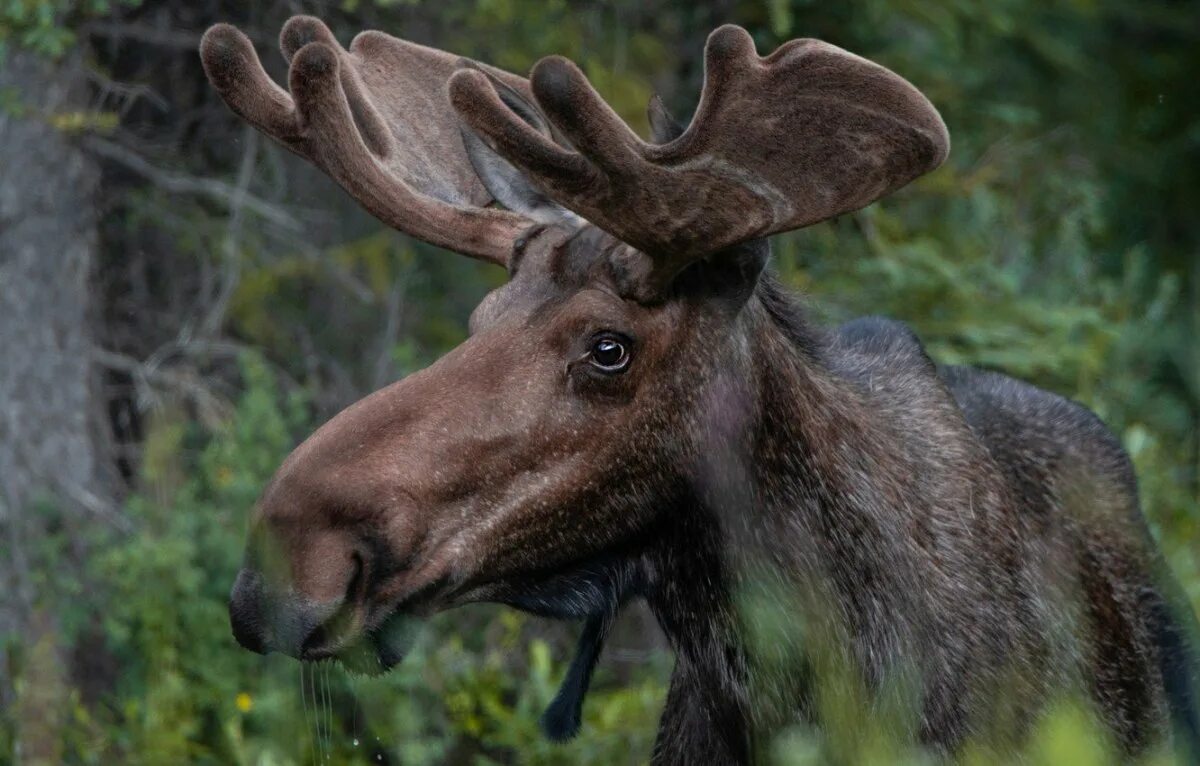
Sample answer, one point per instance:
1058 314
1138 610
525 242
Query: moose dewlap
641 412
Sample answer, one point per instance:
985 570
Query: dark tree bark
51 449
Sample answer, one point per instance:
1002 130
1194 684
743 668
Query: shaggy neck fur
820 501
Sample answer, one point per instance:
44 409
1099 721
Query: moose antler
777 143
377 119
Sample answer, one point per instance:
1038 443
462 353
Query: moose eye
609 354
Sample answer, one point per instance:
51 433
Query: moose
642 411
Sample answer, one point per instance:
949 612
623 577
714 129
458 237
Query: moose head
588 442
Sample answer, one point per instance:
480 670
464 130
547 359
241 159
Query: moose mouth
377 650
372 640
367 631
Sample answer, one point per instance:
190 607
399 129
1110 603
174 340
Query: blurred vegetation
1058 244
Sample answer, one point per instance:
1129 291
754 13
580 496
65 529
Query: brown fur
806 511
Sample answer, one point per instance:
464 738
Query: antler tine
233 67
586 119
302 31
777 143
480 106
376 119
299 31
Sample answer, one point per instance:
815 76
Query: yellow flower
243 702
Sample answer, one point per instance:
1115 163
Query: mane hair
789 312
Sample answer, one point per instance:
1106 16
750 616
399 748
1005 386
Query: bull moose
643 412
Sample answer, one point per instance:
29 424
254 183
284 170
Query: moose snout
267 620
245 612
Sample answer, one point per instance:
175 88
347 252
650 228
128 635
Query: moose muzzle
267 620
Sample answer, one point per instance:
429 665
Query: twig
387 340
163 38
126 93
177 183
232 268
96 505
211 407
185 345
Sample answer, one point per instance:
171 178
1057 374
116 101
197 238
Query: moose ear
502 180
664 128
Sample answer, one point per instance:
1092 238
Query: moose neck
777 498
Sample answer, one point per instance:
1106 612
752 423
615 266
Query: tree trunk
51 451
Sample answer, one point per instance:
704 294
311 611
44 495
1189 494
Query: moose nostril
245 612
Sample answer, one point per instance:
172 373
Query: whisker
320 743
304 704
320 671
327 709
352 683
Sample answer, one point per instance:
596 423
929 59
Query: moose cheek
597 387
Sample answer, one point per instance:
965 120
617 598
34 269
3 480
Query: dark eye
609 354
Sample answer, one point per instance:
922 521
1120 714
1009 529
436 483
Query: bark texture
50 447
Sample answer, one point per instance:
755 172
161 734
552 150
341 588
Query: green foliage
47 26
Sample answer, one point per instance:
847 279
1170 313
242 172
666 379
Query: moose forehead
551 263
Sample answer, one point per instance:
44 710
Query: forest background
182 300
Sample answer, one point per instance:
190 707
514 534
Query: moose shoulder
642 412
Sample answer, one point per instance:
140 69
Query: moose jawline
379 652
595 593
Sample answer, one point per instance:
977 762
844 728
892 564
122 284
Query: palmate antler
377 119
777 143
